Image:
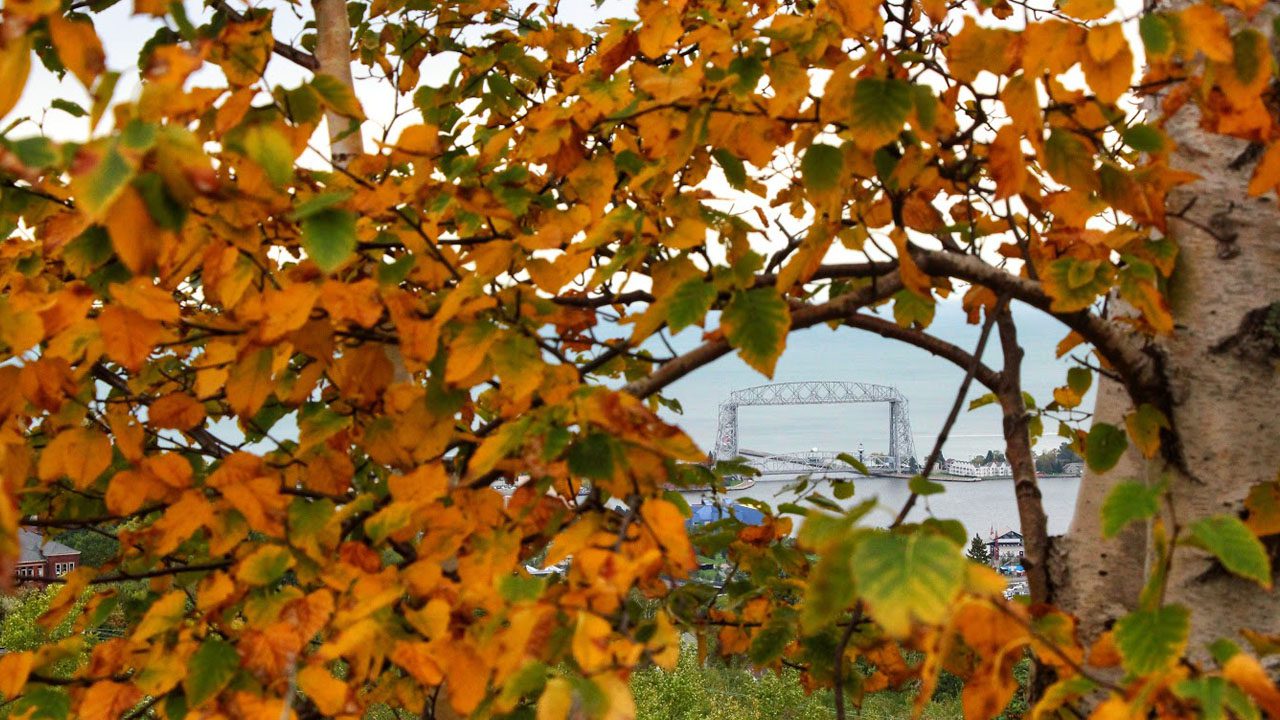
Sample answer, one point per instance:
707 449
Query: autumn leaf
15 63
176 411
79 454
756 322
78 48
906 578
878 109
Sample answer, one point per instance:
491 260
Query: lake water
981 506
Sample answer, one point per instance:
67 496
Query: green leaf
772 639
853 462
921 485
34 152
821 166
688 303
756 322
43 703
96 189
337 96
270 149
329 237
592 457
209 670
1068 160
1143 138
878 110
68 107
1151 640
842 489
1129 501
1240 551
516 588
981 401
734 171
1079 379
316 203
1247 48
1104 446
830 588
265 565
1157 34
1214 695
910 309
907 578
749 71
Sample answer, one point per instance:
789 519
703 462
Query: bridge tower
901 444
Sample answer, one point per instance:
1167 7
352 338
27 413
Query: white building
961 468
1007 549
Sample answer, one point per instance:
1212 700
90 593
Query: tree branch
809 316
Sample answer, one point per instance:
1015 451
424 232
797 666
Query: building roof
35 548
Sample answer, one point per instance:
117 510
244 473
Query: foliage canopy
285 379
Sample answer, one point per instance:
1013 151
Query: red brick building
42 558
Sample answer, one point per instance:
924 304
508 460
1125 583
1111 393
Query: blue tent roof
706 513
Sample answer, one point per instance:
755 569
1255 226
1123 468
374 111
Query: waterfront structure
1005 549
901 444
42 559
962 468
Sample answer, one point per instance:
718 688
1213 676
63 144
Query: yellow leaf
163 615
287 310
180 522
912 276
15 63
1087 9
417 659
1207 32
79 454
1246 672
78 47
326 691
144 298
1108 66
856 17
621 706
556 700
591 643
571 539
976 48
468 349
136 238
661 28
665 521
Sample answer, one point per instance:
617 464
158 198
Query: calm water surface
981 506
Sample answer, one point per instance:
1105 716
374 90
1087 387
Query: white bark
1225 405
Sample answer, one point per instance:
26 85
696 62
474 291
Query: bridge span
901 444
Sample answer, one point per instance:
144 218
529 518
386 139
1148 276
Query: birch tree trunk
1221 371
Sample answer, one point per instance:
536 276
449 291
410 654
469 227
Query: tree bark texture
1220 369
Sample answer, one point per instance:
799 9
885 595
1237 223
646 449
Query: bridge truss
901 444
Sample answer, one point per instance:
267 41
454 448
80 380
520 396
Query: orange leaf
1245 671
912 276
1206 31
287 310
1266 176
78 47
14 668
107 700
146 299
127 336
1007 165
177 411
326 691
249 383
136 238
